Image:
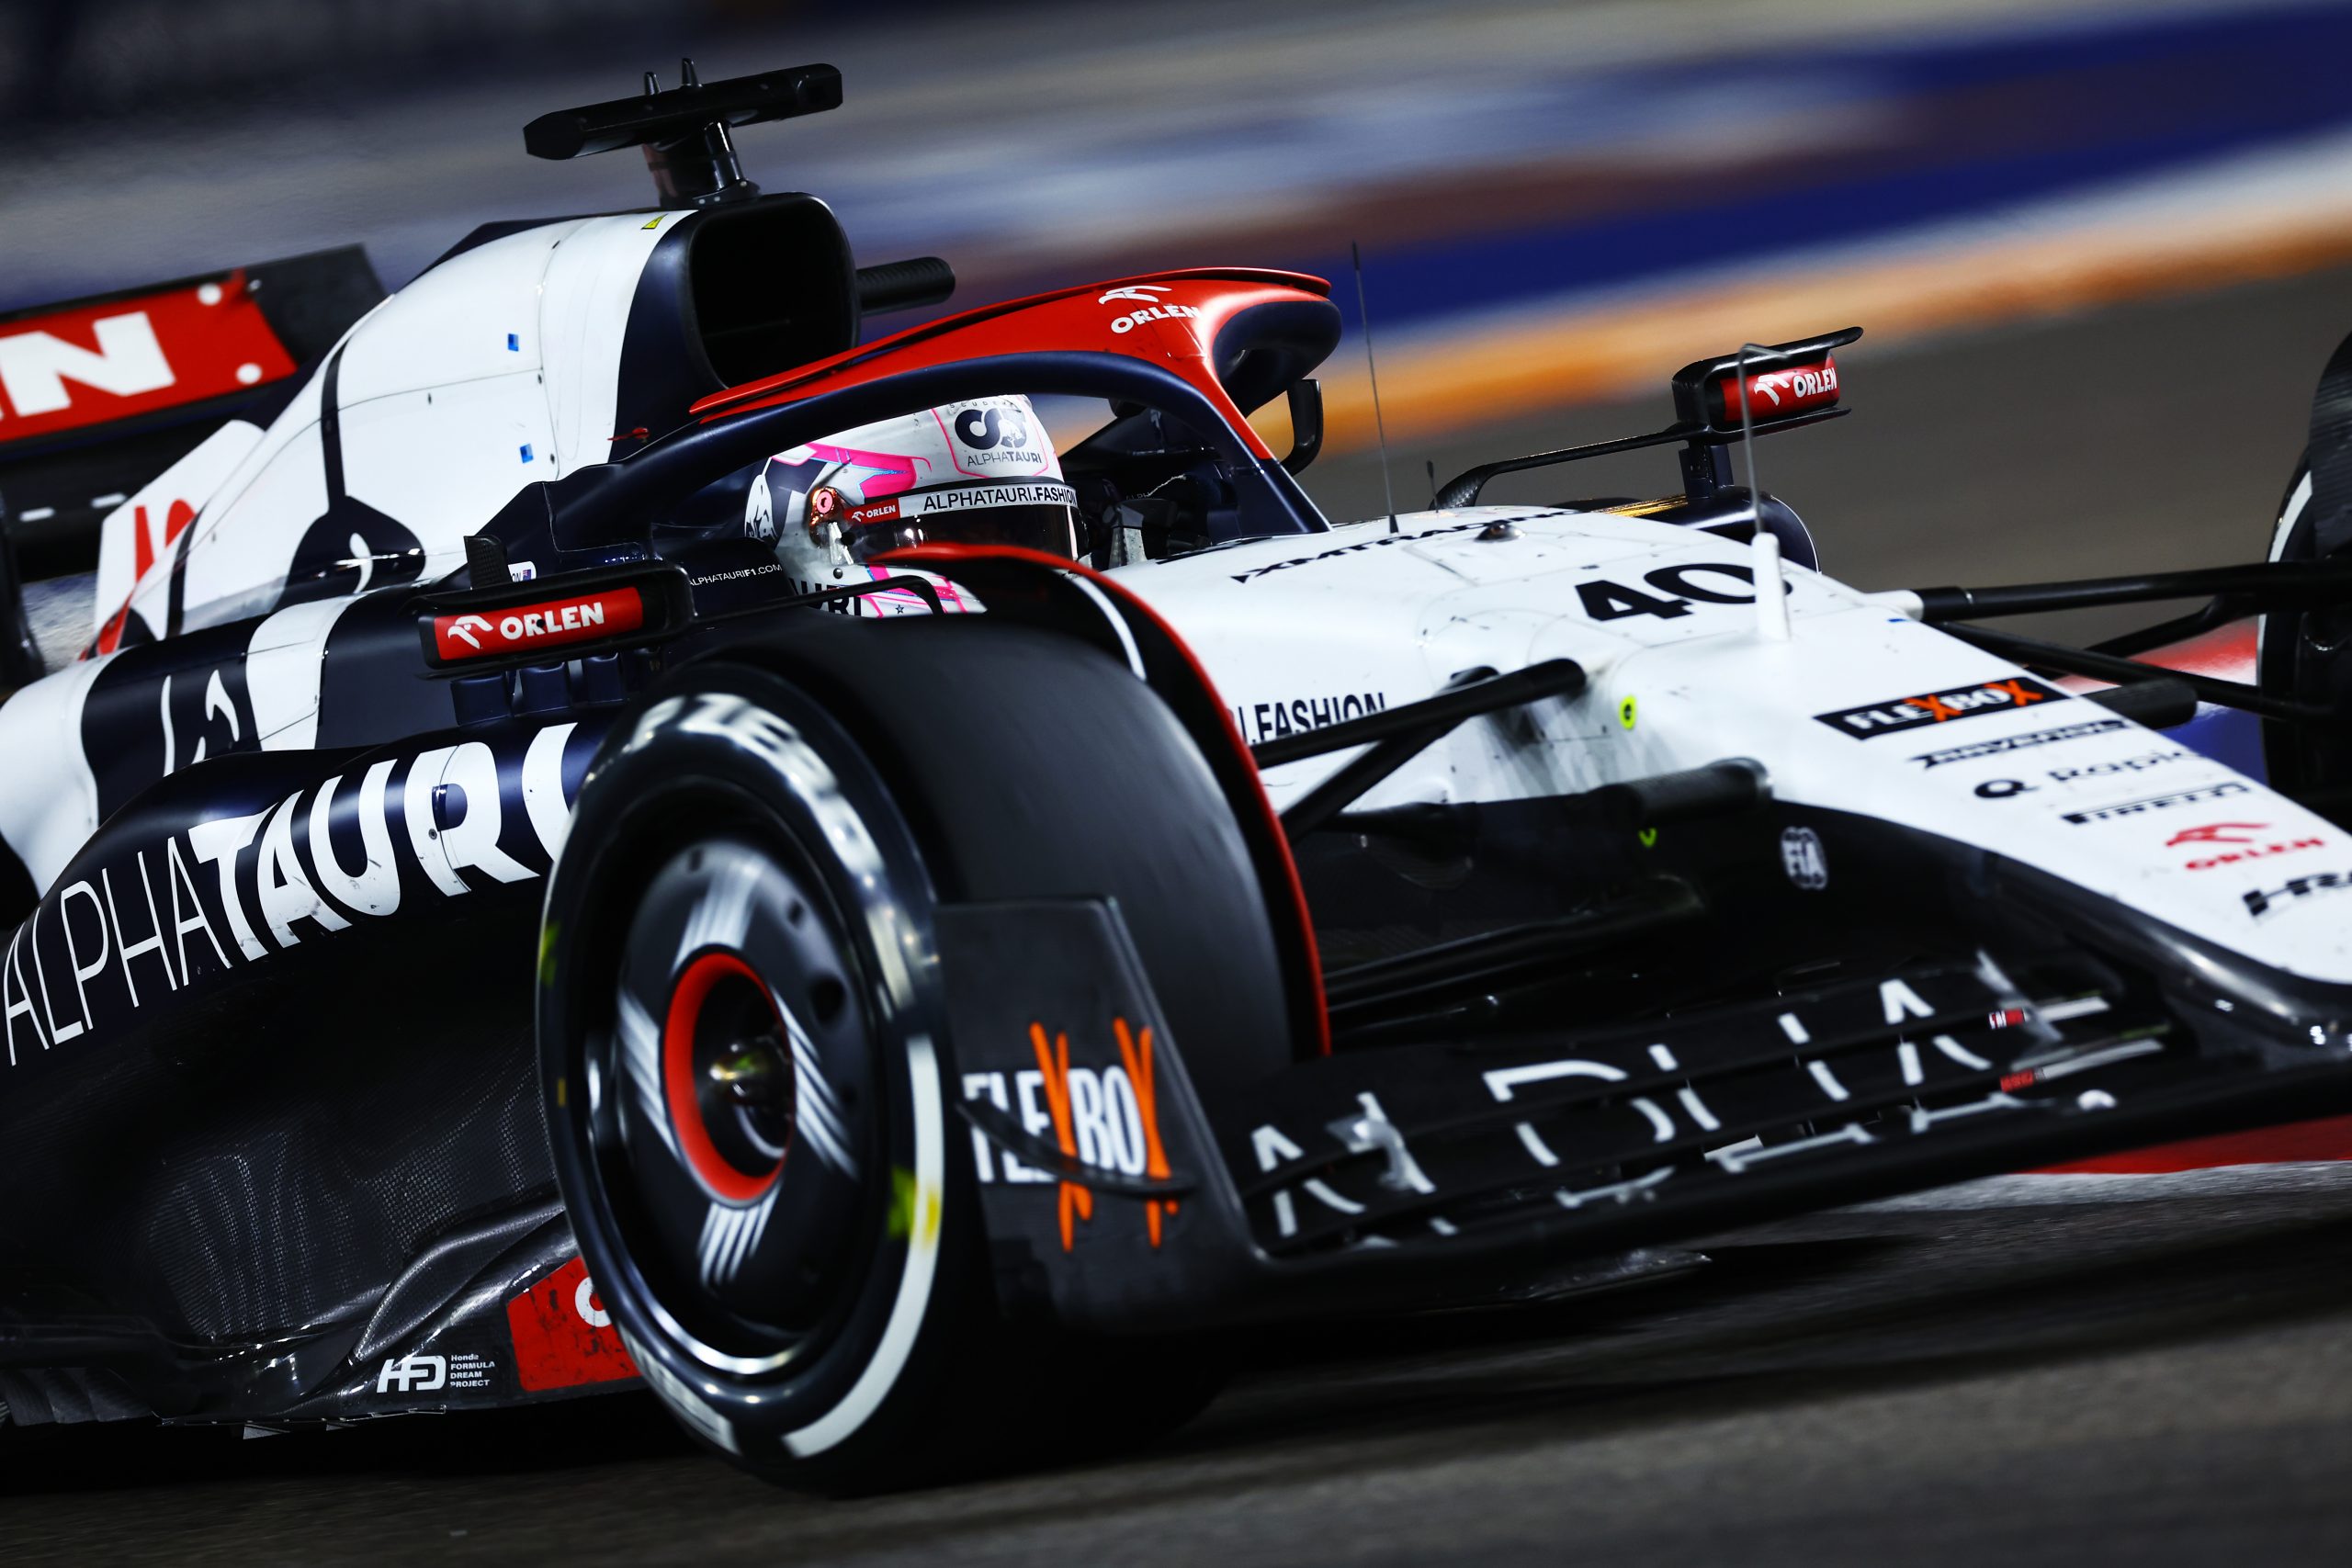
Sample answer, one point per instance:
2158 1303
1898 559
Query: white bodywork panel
187 482
497 368
1290 628
284 665
49 800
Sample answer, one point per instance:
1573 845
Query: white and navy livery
485 926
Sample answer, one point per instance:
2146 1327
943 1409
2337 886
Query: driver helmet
975 473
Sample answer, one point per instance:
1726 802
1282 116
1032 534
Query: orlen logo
1772 393
2216 834
67 369
482 635
2242 838
1144 293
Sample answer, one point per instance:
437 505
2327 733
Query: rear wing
100 395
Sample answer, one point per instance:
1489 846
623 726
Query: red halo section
1167 319
695 1143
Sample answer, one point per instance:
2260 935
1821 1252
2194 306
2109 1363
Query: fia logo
1803 859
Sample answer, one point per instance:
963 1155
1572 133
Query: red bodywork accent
146 552
1775 394
551 624
558 1343
1169 319
169 348
944 558
2329 1138
2225 653
109 635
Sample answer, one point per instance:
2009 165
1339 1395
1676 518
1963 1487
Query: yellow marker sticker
547 953
914 1208
902 1202
559 1094
1648 837
1625 713
654 221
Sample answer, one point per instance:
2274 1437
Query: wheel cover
732 1116
728 1076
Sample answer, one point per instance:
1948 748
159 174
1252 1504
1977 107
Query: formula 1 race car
499 913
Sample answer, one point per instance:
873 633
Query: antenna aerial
1772 588
1379 426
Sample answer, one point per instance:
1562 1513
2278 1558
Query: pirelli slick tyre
2304 651
2302 656
747 1065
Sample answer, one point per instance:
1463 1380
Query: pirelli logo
1939 707
2221 791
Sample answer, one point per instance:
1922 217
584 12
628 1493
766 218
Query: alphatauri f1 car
487 928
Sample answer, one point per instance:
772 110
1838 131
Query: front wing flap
1415 1174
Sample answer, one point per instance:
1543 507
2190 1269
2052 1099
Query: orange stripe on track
1556 359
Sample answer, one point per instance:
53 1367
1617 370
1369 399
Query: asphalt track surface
2154 1369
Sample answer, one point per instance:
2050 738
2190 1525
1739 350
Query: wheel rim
734 1109
728 1076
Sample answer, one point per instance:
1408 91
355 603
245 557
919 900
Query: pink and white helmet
979 473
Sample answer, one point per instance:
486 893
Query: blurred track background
2101 250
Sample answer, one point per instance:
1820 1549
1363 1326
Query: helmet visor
1034 514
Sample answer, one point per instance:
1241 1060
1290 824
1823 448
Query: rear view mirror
1305 422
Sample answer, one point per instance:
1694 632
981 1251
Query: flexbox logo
1939 708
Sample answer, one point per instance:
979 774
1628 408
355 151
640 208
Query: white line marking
2030 1188
1503 1081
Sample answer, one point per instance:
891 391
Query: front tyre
744 1044
741 1042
